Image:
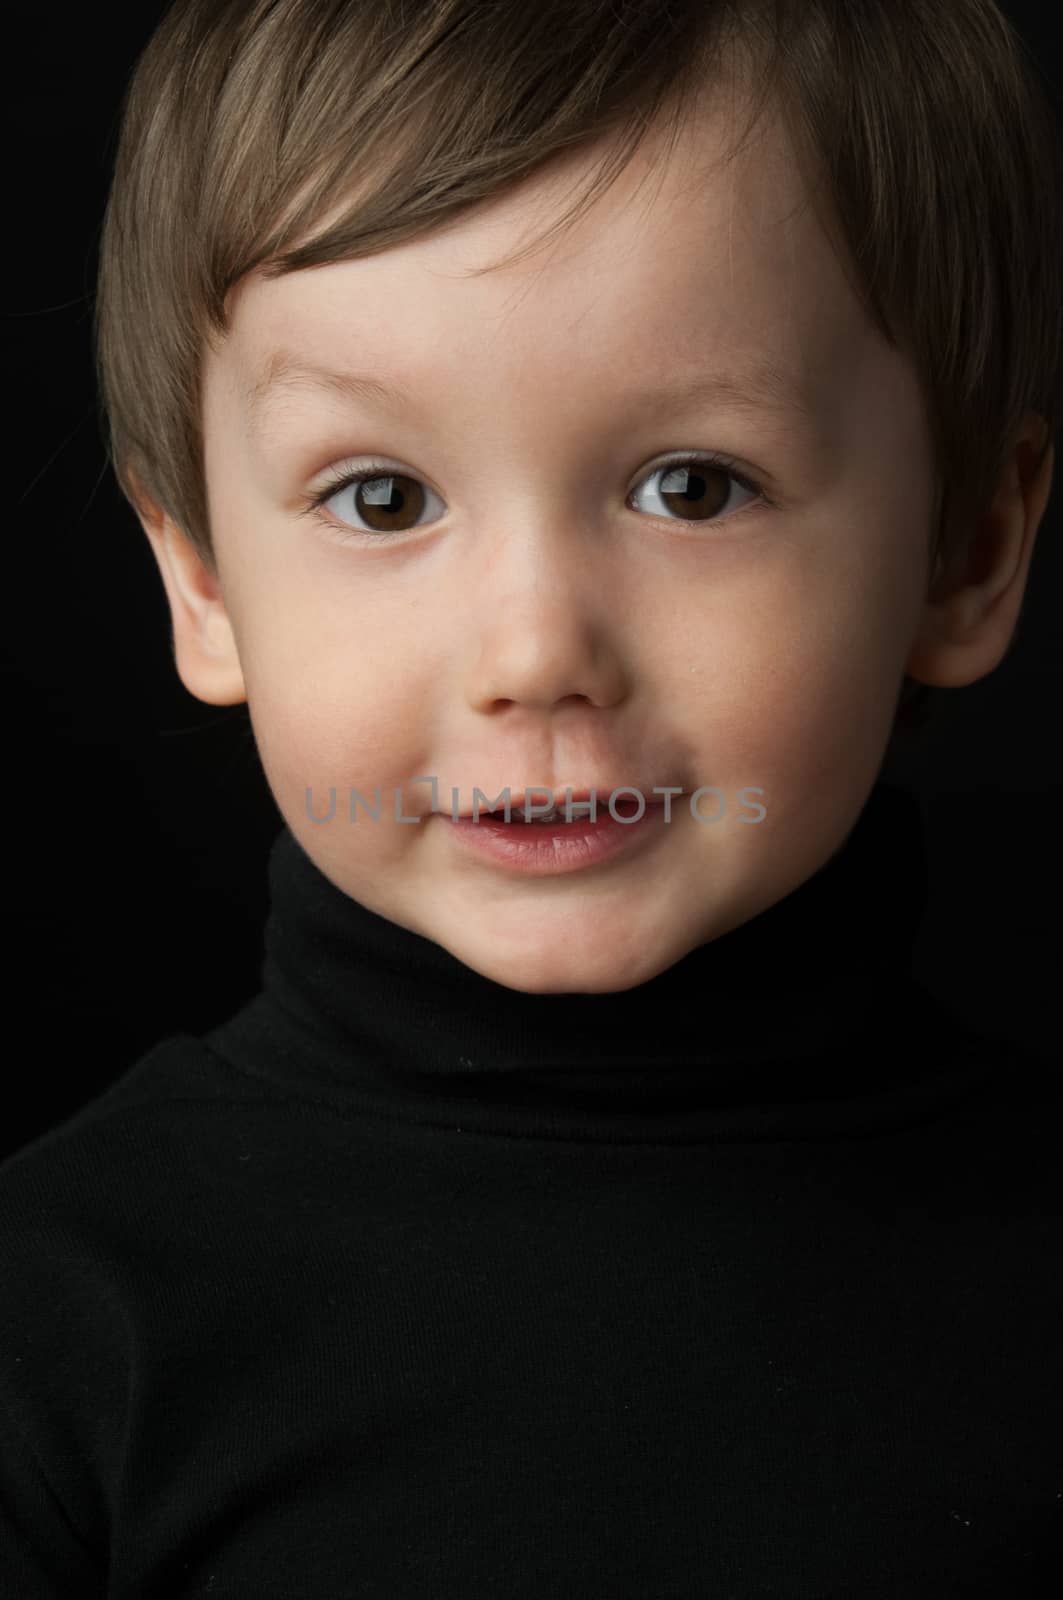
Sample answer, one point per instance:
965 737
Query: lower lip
543 848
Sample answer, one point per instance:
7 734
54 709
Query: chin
559 971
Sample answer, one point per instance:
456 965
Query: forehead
688 268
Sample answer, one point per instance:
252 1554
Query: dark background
137 820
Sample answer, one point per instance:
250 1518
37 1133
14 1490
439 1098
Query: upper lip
601 790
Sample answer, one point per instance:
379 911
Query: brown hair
244 121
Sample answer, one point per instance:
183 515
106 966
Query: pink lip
536 798
542 848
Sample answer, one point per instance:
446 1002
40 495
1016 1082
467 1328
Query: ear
204 643
970 618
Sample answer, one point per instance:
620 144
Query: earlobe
205 652
969 619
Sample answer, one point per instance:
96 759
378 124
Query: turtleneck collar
804 1019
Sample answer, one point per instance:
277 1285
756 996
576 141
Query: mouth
552 847
626 805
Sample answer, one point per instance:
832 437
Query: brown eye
390 504
696 490
385 502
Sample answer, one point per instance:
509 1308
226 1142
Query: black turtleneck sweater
402 1284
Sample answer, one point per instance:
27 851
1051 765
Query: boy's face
553 616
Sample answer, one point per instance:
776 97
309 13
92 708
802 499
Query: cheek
803 677
342 728
322 666
330 718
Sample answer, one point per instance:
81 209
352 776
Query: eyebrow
768 389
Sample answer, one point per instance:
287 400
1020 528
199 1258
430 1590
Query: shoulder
132 1141
1013 1113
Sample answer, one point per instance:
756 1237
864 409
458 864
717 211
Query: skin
537 628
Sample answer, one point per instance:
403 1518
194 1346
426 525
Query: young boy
593 1207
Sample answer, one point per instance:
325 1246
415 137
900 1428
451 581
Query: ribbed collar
805 1019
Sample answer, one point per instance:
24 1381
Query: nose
544 653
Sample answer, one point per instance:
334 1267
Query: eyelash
314 504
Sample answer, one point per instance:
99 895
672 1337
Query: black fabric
401 1283
752 1032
